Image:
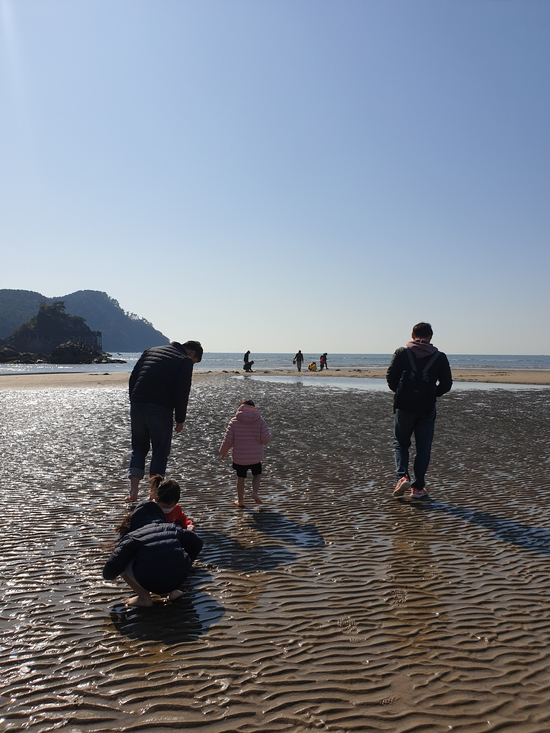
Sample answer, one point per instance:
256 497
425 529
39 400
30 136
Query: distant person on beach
167 494
248 366
312 366
246 359
418 374
298 359
246 434
159 385
153 555
323 362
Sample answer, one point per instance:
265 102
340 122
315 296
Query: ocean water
233 361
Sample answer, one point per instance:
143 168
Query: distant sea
234 362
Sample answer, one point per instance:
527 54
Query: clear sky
282 174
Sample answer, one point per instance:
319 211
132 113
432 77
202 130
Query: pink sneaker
404 484
419 494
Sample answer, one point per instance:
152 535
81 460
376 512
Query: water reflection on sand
333 607
379 385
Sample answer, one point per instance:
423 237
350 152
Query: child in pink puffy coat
247 434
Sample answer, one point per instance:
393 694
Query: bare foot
134 489
131 499
175 594
143 601
236 502
257 499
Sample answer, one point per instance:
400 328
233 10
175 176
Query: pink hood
246 434
247 413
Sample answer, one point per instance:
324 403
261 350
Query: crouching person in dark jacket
155 558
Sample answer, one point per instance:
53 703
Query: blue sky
282 174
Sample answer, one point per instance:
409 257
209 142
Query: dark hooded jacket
162 376
439 373
162 553
146 512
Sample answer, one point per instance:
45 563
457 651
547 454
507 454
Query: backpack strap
429 364
411 359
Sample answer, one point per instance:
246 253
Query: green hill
121 331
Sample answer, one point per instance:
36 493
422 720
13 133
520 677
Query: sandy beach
333 607
114 379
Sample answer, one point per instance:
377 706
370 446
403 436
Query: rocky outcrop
67 353
75 353
53 336
52 326
10 355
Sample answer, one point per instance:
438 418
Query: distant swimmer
298 359
418 374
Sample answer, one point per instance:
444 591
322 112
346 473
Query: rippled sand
333 607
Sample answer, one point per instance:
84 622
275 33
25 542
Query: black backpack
415 391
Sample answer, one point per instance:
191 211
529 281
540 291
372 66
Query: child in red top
166 494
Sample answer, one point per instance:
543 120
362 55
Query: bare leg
134 489
143 597
240 492
255 486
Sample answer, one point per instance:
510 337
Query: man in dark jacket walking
418 374
159 385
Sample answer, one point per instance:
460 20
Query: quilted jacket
247 434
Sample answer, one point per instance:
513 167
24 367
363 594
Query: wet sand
332 607
508 376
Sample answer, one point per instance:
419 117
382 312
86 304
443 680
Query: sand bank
115 379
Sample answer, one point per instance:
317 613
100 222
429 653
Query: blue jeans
404 425
152 426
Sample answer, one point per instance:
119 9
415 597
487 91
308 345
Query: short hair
422 331
194 346
168 492
247 402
